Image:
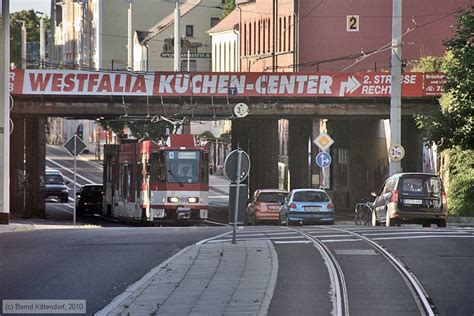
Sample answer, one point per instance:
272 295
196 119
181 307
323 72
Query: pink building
339 35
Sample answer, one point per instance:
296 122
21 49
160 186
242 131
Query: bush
461 183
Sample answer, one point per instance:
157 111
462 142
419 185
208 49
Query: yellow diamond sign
323 141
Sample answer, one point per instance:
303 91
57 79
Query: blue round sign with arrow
323 159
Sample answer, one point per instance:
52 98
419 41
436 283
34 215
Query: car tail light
330 205
394 197
443 198
257 207
292 205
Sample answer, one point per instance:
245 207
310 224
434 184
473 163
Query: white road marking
72 171
339 240
293 242
326 236
426 236
415 233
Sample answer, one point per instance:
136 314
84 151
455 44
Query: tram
148 182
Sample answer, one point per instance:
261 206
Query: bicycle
363 213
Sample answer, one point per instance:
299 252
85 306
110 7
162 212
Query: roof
271 191
184 8
230 22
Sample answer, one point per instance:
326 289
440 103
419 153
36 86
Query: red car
265 206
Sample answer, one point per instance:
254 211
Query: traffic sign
396 152
323 159
77 148
323 141
241 110
231 166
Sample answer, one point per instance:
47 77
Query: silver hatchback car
307 206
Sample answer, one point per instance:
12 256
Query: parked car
305 206
411 198
89 199
55 187
264 206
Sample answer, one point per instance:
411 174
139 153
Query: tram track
420 295
339 289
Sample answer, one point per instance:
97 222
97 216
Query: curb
135 286
460 220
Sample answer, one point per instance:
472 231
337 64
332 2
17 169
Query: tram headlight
173 199
193 199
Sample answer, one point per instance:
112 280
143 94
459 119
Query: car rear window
92 191
271 197
421 185
310 196
54 179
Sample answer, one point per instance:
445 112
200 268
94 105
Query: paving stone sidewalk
208 279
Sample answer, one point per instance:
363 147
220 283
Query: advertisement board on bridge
248 84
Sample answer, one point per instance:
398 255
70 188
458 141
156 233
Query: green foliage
206 135
452 125
430 64
32 32
225 137
461 187
228 7
141 129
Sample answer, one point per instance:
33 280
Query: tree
452 126
141 129
228 7
32 30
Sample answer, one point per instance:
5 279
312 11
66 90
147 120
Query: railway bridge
351 107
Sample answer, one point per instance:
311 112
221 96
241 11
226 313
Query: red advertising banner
251 84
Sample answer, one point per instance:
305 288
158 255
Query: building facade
225 44
154 47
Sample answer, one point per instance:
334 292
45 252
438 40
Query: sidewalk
205 279
33 224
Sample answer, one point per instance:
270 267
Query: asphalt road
442 259
94 264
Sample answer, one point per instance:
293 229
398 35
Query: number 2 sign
352 23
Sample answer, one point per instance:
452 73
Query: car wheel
427 224
441 223
65 200
374 221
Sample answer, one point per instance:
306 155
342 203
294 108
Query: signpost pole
74 184
237 193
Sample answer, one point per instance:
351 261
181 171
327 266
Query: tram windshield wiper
175 177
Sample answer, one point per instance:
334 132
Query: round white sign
396 152
241 110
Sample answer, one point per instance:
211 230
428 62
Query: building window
250 39
245 40
192 65
189 31
214 21
268 39
289 33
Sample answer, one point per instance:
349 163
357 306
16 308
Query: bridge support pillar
299 133
17 168
259 138
413 144
35 166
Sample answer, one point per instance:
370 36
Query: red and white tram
161 183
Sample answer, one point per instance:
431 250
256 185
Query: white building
154 48
225 43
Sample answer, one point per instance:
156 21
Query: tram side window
204 164
158 173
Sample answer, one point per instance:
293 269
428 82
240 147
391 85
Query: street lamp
42 41
23 43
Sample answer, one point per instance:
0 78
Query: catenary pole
177 40
4 113
396 70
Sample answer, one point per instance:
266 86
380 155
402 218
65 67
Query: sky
37 5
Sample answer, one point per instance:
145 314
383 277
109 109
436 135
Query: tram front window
183 166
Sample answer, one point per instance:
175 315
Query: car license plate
415 202
184 209
311 208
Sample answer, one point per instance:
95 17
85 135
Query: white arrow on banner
351 85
